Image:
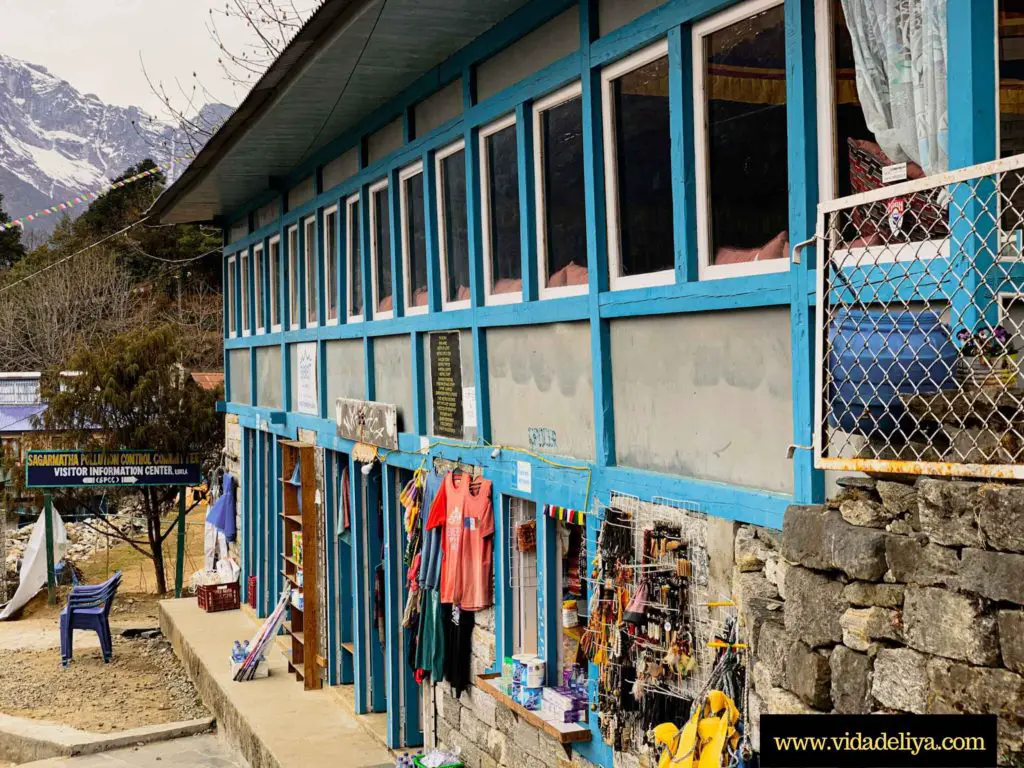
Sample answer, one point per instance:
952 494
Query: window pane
1011 77
245 292
565 224
456 233
503 188
258 289
331 264
382 244
293 276
275 265
644 169
416 234
745 67
310 266
355 261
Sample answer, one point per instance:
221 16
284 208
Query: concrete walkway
272 722
197 752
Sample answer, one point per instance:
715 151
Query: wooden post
179 563
51 575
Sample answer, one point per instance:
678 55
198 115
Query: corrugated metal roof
294 110
18 418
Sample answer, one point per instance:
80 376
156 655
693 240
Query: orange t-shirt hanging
462 509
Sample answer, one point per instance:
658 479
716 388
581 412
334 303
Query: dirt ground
143 685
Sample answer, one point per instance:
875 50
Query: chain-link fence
920 301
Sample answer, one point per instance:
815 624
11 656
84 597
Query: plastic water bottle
236 652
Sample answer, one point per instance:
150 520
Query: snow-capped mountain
56 142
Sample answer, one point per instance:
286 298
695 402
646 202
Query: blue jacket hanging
222 514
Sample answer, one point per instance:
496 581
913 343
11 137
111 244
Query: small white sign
305 378
469 407
524 476
893 173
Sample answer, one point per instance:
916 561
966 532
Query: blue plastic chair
89 608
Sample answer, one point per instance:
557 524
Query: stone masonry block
1001 517
814 606
862 627
864 594
809 676
911 560
851 681
863 512
898 498
901 680
1011 639
750 552
950 624
995 575
821 539
772 645
949 511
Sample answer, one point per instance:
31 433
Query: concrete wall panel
540 378
385 141
706 396
438 108
392 371
545 45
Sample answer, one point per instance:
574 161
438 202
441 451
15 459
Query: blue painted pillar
395 218
597 251
549 606
346 590
597 264
392 605
430 230
362 585
502 587
684 207
801 127
974 236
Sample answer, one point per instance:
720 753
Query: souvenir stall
668 654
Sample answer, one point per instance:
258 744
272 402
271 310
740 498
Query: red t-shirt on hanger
467 518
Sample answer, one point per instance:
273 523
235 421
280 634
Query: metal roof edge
308 41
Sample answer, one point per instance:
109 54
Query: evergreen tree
11 248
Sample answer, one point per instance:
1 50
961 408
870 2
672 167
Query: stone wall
893 597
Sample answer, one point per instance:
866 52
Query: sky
95 45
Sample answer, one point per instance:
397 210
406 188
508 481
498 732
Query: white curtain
899 48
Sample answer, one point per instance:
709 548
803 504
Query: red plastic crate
219 597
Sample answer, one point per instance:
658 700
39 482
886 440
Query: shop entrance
404 727
368 591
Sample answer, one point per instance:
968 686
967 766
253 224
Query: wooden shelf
563 733
299 514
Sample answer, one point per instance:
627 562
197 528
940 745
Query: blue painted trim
527 200
370 378
361 605
684 203
395 221
431 237
419 386
549 603
502 587
801 127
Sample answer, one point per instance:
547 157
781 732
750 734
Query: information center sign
71 469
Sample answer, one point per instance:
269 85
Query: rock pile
905 597
83 541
